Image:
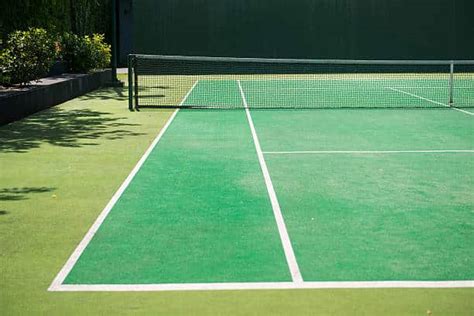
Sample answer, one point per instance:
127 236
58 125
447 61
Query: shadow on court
66 128
18 194
113 93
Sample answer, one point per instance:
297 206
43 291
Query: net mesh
229 83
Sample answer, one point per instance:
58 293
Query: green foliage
4 74
101 51
28 55
75 52
90 16
83 53
57 16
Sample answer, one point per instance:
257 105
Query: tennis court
292 197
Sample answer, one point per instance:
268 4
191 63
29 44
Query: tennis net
229 83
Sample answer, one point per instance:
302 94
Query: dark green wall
357 29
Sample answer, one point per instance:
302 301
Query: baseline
264 286
369 152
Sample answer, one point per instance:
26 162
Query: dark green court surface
368 198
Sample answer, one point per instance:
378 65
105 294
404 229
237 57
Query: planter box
50 91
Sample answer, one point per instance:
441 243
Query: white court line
364 152
285 239
429 100
425 87
57 282
332 87
317 77
295 89
264 286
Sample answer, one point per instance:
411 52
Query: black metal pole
114 41
135 81
130 61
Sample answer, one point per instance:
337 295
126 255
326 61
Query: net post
130 81
135 79
451 83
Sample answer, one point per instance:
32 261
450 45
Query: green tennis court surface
292 198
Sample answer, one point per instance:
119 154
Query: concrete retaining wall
49 92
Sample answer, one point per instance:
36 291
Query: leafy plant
83 54
4 75
101 51
77 16
28 55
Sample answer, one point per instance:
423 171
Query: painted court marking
264 286
270 89
298 283
285 238
427 87
332 87
368 152
329 77
429 100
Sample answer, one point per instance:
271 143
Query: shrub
100 49
4 75
75 52
83 54
28 55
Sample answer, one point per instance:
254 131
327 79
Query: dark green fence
356 29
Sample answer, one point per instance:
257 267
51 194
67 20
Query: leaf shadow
112 93
63 127
18 194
